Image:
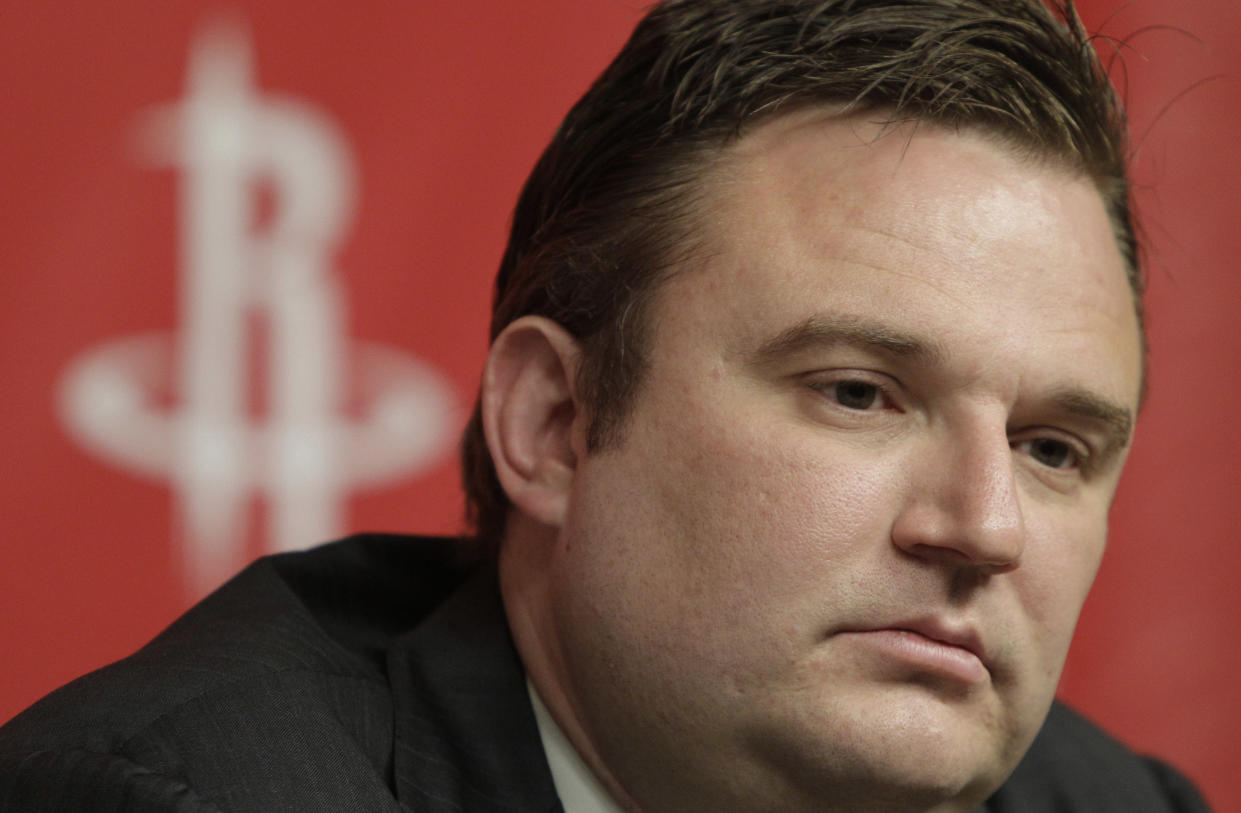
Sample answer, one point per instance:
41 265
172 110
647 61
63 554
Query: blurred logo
259 393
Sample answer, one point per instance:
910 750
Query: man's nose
962 505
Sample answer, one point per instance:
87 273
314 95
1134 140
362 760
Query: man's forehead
815 189
841 135
851 133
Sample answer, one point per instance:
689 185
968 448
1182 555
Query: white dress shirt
576 785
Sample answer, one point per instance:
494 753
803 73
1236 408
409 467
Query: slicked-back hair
608 208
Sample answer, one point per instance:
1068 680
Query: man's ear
530 411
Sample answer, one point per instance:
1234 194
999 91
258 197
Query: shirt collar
576 785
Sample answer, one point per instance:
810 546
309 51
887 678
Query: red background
446 105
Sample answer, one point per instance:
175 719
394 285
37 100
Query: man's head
825 546
609 208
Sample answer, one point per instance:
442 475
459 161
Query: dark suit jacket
374 675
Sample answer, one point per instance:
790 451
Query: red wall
442 107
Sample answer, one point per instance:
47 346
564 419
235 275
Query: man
816 352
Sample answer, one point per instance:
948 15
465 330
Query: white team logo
179 407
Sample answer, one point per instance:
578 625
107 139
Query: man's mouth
930 645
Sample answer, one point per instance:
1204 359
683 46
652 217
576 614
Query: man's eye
856 394
1055 454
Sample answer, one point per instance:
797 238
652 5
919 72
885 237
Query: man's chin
902 748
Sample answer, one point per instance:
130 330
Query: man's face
839 552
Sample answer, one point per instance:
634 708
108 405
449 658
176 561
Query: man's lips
928 644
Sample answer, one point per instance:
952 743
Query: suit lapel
466 737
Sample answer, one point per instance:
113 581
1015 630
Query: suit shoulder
271 693
326 613
1073 766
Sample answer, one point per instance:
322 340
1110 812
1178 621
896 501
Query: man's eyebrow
825 331
1115 418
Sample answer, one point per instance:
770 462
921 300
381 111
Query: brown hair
607 208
